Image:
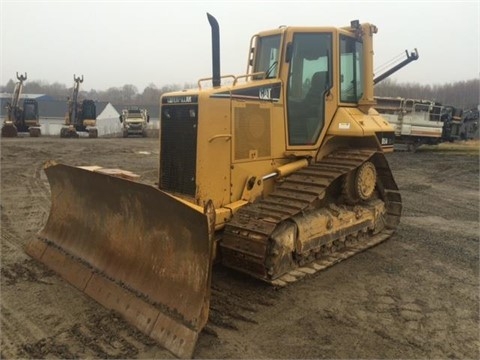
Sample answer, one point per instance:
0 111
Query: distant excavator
23 118
81 116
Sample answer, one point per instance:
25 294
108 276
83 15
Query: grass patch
470 146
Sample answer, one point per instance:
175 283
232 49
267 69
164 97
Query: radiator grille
252 132
178 148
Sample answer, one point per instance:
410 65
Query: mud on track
413 296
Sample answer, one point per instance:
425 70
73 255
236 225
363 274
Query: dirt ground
414 296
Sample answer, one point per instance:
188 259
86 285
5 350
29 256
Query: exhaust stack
215 50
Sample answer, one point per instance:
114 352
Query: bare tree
9 87
150 95
129 93
462 94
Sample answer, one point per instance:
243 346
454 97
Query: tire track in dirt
104 336
38 204
29 212
236 298
10 241
17 328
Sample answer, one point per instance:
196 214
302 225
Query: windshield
88 110
30 111
267 56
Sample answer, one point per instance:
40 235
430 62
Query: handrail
219 136
211 78
247 76
234 77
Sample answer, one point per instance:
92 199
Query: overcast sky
113 43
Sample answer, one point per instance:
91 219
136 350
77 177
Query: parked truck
134 121
415 122
425 122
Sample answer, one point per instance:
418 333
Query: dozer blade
134 249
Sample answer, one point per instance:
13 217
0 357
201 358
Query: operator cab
30 109
304 59
89 110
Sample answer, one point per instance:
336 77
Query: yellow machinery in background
21 118
81 115
277 173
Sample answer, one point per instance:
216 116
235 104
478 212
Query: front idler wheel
360 184
366 180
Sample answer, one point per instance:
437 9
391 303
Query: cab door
309 82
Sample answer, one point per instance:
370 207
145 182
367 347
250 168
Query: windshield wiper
270 69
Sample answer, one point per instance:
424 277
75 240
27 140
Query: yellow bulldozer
277 173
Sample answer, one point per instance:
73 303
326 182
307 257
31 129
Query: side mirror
148 118
120 118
